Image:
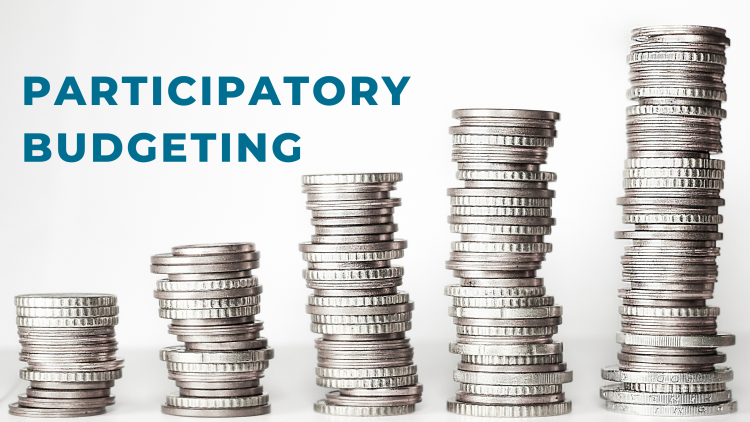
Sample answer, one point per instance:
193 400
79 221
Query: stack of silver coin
672 185
510 366
212 298
68 342
356 306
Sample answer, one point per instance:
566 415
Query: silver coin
214 377
210 346
519 369
529 378
66 385
205 268
619 394
216 413
73 403
65 300
32 412
678 410
218 385
213 249
181 354
720 374
237 392
336 399
383 392
67 394
329 409
509 411
176 400
208 294
211 277
173 259
465 397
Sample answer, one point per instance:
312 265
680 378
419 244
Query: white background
91 227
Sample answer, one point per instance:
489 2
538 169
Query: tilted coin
383 392
180 354
204 268
213 249
172 259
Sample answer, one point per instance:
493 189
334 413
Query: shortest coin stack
68 342
212 299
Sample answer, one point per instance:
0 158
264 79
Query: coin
509 411
216 413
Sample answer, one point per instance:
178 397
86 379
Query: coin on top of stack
212 297
68 342
356 304
669 335
510 366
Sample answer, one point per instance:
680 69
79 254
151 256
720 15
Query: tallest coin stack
510 366
669 336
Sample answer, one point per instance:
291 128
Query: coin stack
510 366
212 298
68 342
356 305
672 185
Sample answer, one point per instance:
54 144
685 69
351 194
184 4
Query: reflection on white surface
290 382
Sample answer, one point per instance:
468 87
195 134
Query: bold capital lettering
133 148
134 82
70 84
203 139
62 147
396 90
224 92
96 90
169 147
318 91
28 88
277 148
296 82
98 138
172 90
29 147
